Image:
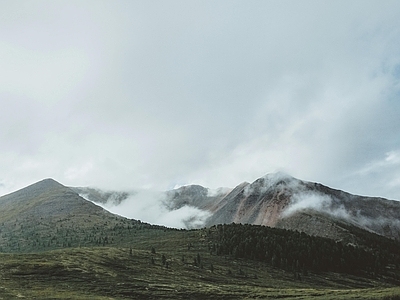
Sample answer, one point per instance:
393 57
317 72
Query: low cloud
218 191
322 203
269 181
188 217
149 206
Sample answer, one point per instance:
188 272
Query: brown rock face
278 200
261 202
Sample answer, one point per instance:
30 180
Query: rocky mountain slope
195 195
279 200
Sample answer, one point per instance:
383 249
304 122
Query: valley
139 273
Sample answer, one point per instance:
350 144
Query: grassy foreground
177 266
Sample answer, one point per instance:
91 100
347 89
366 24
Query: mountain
48 215
43 210
279 200
190 195
196 196
186 207
46 198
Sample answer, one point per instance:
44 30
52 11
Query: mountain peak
271 182
48 182
46 198
280 200
278 177
36 188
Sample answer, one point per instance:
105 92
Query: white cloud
43 77
119 95
148 206
392 159
308 201
315 201
382 175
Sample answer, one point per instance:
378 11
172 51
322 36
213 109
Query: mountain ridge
280 200
276 200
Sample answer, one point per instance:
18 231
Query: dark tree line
295 251
32 235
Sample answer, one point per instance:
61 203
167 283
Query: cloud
392 159
263 184
315 201
150 95
43 77
382 174
149 206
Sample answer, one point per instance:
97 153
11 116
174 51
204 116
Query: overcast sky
157 94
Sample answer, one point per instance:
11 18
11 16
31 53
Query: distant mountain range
275 200
279 200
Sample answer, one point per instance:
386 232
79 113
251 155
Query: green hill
122 273
48 215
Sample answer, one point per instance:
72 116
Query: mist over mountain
279 200
276 200
102 197
184 210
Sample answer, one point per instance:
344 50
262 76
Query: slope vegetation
178 272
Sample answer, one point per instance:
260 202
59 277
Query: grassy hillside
159 263
125 273
47 216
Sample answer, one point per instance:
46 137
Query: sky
158 94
